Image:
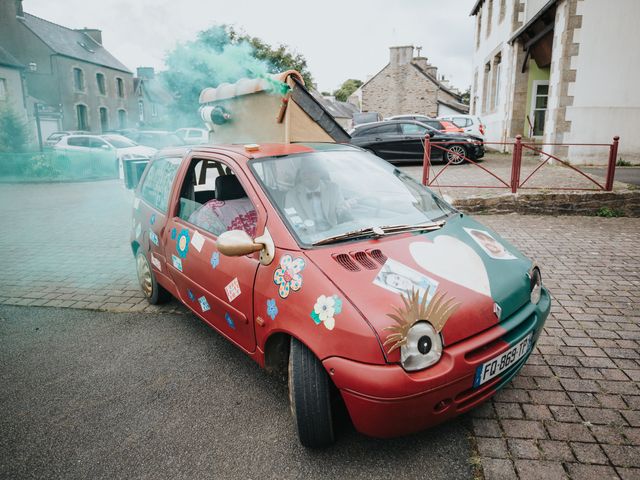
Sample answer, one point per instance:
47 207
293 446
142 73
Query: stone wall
625 203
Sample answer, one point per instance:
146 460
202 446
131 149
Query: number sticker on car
502 362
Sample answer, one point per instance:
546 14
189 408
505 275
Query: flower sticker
152 220
182 244
287 276
191 296
325 309
229 320
215 259
272 308
173 234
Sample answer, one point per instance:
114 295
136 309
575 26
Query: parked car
114 148
470 124
330 264
156 138
440 125
366 117
193 136
398 140
56 136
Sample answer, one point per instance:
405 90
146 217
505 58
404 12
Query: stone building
152 100
68 70
12 92
409 85
558 71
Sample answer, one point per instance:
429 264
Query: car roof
265 150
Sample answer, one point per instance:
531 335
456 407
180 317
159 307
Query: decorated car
327 263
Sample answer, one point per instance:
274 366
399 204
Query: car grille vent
356 261
346 261
363 259
378 256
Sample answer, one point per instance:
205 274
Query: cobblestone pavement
66 245
551 175
574 410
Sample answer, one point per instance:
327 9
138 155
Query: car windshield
118 141
326 194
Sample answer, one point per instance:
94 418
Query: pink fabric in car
217 215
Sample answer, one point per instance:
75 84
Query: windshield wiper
380 231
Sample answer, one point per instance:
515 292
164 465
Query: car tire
453 155
153 292
310 397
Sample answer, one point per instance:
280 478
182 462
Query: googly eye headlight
422 349
535 281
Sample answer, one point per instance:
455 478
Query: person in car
315 200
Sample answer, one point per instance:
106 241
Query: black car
396 140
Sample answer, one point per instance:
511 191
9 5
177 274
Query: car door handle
378 139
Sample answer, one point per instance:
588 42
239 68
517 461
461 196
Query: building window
539 99
102 88
489 16
78 79
104 119
154 110
3 89
120 87
486 87
479 29
495 91
503 8
81 117
122 118
140 110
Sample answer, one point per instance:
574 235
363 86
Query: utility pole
36 107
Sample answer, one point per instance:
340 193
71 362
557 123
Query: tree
346 89
217 55
14 133
466 96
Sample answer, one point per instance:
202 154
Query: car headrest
228 188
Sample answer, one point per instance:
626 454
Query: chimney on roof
19 10
145 72
94 33
400 55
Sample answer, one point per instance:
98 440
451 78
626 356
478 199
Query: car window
97 143
389 129
78 141
213 199
434 124
119 141
330 193
156 185
461 122
412 129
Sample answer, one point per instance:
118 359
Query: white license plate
502 362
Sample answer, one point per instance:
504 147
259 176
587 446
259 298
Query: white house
559 71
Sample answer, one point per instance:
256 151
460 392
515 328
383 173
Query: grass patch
609 212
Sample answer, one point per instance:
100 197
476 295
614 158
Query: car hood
138 149
373 274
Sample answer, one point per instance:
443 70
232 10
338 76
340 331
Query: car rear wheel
153 292
456 154
310 397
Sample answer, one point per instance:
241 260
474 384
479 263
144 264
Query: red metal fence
518 147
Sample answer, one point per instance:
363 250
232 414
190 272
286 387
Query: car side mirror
431 134
236 243
105 147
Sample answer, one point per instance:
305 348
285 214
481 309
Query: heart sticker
454 260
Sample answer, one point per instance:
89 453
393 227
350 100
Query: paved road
623 174
132 395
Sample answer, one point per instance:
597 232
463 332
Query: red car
324 261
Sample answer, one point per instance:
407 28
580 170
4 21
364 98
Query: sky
339 39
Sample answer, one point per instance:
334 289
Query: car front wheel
456 154
310 397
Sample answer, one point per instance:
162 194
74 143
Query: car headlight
422 349
535 283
